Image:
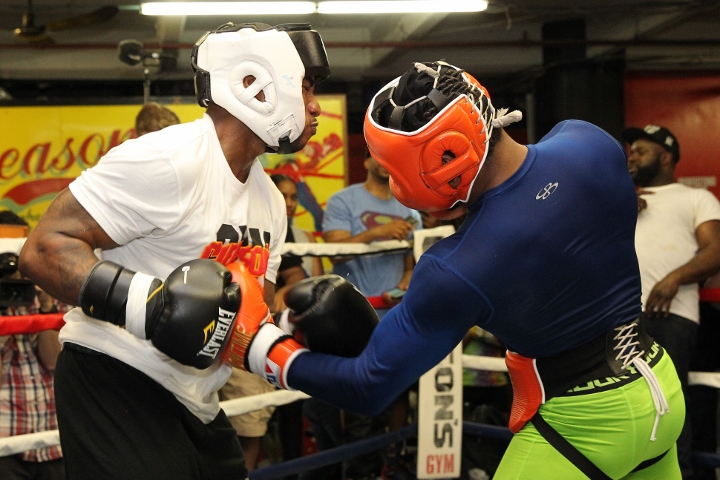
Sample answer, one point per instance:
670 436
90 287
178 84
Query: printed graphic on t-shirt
248 245
374 219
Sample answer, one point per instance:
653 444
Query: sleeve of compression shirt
434 316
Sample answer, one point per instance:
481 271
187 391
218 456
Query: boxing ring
12 325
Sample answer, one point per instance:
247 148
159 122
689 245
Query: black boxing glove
327 314
187 317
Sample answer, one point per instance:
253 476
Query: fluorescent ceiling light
402 6
304 8
227 8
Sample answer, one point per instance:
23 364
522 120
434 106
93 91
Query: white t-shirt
665 239
169 197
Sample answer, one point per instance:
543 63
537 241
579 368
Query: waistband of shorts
598 365
80 348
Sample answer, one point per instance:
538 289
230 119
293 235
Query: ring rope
342 249
710 294
27 324
388 246
239 406
23 324
345 452
320 249
334 455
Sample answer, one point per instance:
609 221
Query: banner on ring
43 149
440 402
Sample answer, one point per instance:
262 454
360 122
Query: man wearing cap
169 213
677 240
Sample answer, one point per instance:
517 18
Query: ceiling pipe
523 43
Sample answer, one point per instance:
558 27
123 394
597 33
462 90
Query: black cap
655 134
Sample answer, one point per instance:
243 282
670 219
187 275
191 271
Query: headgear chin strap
279 58
411 147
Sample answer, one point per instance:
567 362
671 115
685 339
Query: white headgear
278 57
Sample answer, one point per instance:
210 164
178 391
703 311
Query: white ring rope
32 441
239 406
320 249
337 249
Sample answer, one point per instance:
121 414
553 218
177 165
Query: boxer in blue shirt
545 261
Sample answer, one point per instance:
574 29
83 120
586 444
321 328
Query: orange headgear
411 147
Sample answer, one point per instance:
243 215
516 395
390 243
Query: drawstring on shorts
629 352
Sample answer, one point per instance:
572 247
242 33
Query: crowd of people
133 242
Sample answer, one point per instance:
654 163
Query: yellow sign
42 149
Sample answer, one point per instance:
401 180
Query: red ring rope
378 302
19 324
710 294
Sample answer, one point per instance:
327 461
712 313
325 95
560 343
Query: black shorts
115 422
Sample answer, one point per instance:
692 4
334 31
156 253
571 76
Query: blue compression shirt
545 261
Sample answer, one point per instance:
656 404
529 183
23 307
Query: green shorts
611 428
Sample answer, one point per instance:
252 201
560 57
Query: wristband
135 309
260 345
270 354
279 359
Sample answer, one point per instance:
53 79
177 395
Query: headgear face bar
279 58
411 147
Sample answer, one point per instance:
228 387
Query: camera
8 263
14 292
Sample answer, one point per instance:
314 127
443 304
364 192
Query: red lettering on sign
90 156
444 463
40 151
37 160
8 161
65 159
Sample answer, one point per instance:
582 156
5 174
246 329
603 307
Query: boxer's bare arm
59 253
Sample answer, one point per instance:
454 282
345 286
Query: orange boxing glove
256 344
